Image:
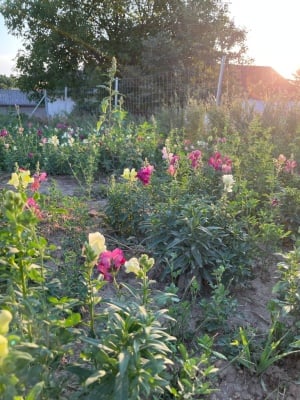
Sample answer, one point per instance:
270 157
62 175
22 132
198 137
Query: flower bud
5 318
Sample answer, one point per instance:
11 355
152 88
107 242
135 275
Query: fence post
116 91
219 91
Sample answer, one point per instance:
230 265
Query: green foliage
132 355
66 48
128 204
289 208
8 82
195 238
259 355
40 320
216 309
195 372
287 289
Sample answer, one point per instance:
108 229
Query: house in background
12 98
258 85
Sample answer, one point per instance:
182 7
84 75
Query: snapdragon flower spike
195 158
31 204
110 262
144 174
220 163
38 178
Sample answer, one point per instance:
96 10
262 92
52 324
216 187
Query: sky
273 35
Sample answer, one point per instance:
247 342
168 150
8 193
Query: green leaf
124 358
35 391
95 377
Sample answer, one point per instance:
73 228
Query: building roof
260 82
13 97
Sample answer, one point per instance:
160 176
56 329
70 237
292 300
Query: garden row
193 208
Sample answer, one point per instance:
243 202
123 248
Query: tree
67 41
7 82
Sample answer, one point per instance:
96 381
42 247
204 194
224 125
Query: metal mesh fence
145 95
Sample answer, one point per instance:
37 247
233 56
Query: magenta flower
144 174
215 161
220 163
174 160
109 262
3 133
195 158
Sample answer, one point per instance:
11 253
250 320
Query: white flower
97 243
132 265
228 182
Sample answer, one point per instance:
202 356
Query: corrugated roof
261 83
12 97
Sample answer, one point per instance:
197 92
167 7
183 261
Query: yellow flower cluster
21 179
5 318
129 174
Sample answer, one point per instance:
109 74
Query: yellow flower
21 178
129 175
97 243
14 180
5 318
132 265
54 140
3 347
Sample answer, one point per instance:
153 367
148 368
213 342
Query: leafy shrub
195 238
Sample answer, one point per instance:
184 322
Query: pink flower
144 174
220 164
290 165
165 154
174 160
172 170
195 158
31 204
226 165
215 161
110 261
38 178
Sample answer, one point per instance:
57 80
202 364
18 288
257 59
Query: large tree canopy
66 42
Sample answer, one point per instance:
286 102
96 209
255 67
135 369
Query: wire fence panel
145 95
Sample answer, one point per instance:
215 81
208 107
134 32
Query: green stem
91 306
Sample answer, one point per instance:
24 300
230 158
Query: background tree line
72 42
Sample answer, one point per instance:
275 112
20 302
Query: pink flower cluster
195 158
3 133
172 159
32 205
110 262
287 165
38 178
220 163
144 174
